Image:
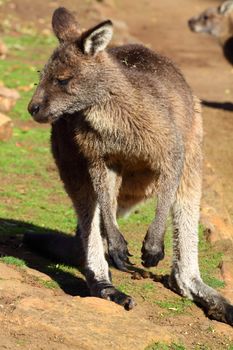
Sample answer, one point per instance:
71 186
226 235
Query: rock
9 93
8 98
6 127
40 319
8 273
216 227
37 274
3 50
227 274
88 322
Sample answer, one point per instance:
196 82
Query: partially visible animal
125 127
218 22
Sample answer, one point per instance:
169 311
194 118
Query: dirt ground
30 311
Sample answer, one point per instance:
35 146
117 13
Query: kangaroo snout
38 105
33 109
191 23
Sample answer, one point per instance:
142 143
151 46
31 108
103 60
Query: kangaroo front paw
111 293
152 255
119 253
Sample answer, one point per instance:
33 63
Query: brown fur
125 127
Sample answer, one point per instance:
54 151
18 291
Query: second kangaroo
125 127
218 22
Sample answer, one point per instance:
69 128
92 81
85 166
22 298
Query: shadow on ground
228 50
41 248
225 106
21 240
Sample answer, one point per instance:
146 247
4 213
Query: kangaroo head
213 21
74 77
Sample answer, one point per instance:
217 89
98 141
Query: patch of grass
175 305
59 268
157 346
11 260
28 53
213 281
27 45
49 284
144 288
21 342
161 346
141 215
19 76
209 262
30 189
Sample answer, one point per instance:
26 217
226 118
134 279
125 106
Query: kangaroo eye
205 17
63 82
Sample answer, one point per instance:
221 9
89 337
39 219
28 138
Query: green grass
20 71
28 190
49 284
175 305
60 268
11 260
146 289
209 262
160 346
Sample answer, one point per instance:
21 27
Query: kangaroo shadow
228 50
38 247
225 106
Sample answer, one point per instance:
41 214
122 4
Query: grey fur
125 127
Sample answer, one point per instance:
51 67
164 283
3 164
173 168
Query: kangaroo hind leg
106 183
185 276
96 267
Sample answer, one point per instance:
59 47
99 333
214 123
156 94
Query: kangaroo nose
191 23
34 109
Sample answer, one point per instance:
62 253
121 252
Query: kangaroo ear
96 39
64 25
226 7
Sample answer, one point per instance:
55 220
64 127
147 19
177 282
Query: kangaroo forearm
101 185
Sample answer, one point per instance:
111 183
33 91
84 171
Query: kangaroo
125 127
218 22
